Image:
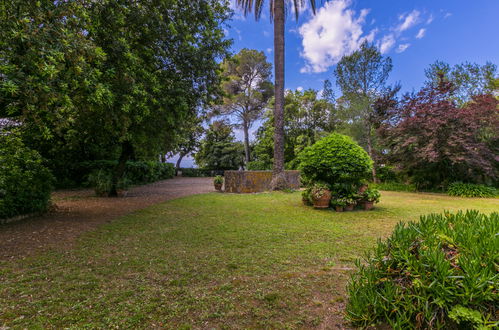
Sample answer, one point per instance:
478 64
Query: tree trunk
246 143
119 170
278 178
177 166
370 152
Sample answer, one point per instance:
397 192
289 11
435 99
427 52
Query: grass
213 260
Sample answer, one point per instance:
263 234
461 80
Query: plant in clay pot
218 181
339 204
321 195
350 202
370 197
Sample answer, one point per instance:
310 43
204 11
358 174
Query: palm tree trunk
278 177
246 143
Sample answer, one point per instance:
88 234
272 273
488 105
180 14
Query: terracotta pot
368 205
349 207
323 202
339 208
363 189
218 186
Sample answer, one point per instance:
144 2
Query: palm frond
256 6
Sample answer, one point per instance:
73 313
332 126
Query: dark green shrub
258 165
386 174
393 186
440 272
25 184
137 172
471 190
199 172
336 160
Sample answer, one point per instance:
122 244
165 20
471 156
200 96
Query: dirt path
78 211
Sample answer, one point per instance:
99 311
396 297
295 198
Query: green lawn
214 260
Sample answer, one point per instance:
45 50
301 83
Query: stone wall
256 181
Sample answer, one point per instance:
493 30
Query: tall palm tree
278 14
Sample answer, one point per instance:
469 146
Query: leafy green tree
468 79
50 75
189 139
247 90
278 14
161 64
362 78
219 150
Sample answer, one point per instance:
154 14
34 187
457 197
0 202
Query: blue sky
413 33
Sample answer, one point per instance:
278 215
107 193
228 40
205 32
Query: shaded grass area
214 260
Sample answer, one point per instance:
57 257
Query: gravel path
78 211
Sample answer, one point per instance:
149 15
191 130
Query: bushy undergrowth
471 190
440 272
199 172
25 183
137 172
393 186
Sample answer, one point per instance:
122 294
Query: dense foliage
436 142
336 160
136 172
106 79
362 78
438 272
307 118
219 150
25 184
471 190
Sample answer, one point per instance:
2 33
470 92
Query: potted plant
321 195
218 182
339 204
350 202
370 197
305 196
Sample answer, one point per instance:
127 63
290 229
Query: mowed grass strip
213 260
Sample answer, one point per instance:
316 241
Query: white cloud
408 20
299 88
430 19
269 50
421 33
401 48
386 43
333 32
266 33
447 15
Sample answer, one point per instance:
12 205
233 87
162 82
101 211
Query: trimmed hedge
136 172
200 172
335 160
25 183
440 272
471 190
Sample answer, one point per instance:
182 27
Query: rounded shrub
438 273
336 160
471 190
25 184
